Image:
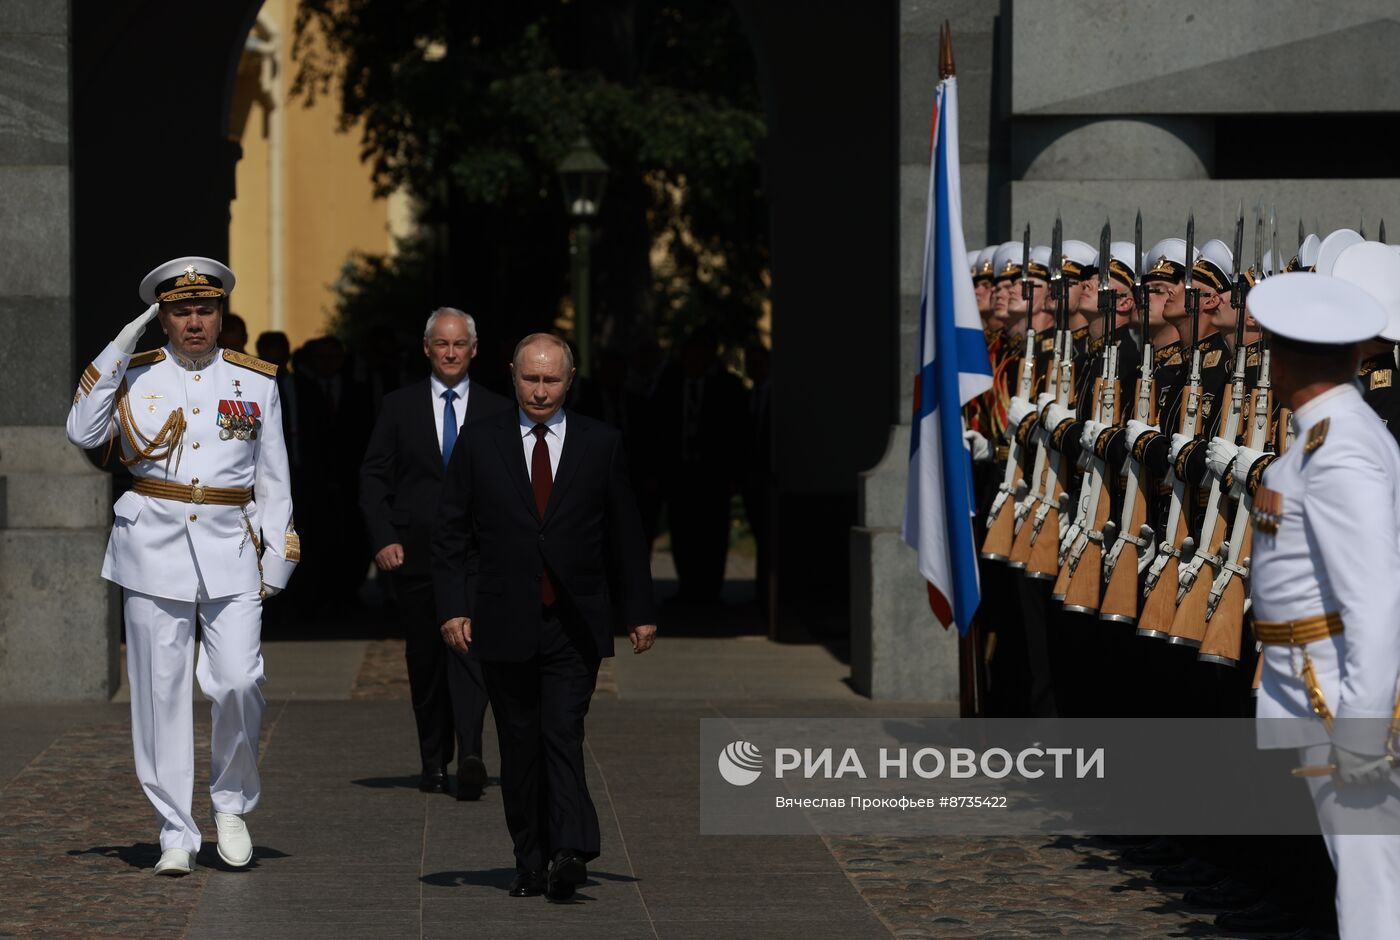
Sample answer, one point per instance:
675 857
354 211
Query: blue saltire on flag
953 370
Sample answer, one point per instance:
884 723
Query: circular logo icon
740 763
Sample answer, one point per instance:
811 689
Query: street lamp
583 176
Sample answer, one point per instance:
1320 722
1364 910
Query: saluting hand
457 633
643 637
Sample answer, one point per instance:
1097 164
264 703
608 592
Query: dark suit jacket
591 529
401 475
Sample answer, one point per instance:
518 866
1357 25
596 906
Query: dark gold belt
1298 632
198 493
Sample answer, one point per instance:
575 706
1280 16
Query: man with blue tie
400 480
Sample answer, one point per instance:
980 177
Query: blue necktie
449 425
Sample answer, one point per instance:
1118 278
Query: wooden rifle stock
1225 611
1159 607
1001 518
1043 560
1196 579
1121 593
1086 562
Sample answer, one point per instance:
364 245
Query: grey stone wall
58 619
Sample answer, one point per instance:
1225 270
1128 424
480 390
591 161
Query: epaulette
1317 434
1381 378
250 362
147 358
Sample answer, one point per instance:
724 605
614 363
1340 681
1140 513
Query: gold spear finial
945 51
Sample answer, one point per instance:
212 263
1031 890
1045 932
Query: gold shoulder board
147 358
250 362
1212 358
1381 378
1316 435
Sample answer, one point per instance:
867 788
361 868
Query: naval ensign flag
953 370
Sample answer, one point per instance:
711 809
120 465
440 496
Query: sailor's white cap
1331 248
1375 268
1316 308
1078 255
1166 260
1216 265
1006 264
1040 262
183 278
984 262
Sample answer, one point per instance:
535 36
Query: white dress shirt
459 404
554 438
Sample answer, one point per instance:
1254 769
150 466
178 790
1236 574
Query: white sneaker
174 862
235 845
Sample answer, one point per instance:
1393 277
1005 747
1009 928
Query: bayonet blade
1105 242
1239 236
1362 230
1137 250
1259 240
1026 252
1273 239
1381 234
1057 243
1190 245
1302 233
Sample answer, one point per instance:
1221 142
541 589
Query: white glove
1056 415
131 333
1043 399
268 591
1179 441
1359 768
1090 434
1137 429
1017 411
977 444
1219 453
1244 459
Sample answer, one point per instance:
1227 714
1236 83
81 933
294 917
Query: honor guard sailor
1326 598
204 534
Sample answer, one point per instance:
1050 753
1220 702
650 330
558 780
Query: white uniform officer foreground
1326 592
205 533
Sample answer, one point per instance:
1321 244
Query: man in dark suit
400 481
543 498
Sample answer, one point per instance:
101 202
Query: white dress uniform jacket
1336 549
180 550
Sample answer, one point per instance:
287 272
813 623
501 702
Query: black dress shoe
434 780
1264 917
566 874
527 884
471 777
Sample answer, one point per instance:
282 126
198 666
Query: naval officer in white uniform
205 533
1326 585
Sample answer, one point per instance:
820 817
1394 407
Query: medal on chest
1268 510
238 418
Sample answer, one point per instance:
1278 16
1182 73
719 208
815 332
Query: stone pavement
347 847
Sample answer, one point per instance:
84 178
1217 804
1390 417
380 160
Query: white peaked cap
1375 268
1316 308
1307 251
1331 248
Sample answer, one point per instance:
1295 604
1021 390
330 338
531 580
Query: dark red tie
542 480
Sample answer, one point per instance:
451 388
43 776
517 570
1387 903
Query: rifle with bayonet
1198 573
1002 517
1160 585
1225 606
1042 553
1133 540
1085 562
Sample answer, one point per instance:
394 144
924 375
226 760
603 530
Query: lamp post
583 176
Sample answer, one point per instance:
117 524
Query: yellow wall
327 205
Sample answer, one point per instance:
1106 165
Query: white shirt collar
555 424
461 388
1308 415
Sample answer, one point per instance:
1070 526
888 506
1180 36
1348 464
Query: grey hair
547 337
441 312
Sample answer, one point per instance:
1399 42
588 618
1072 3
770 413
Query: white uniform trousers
1367 864
159 661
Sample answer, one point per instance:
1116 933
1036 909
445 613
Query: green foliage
470 107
